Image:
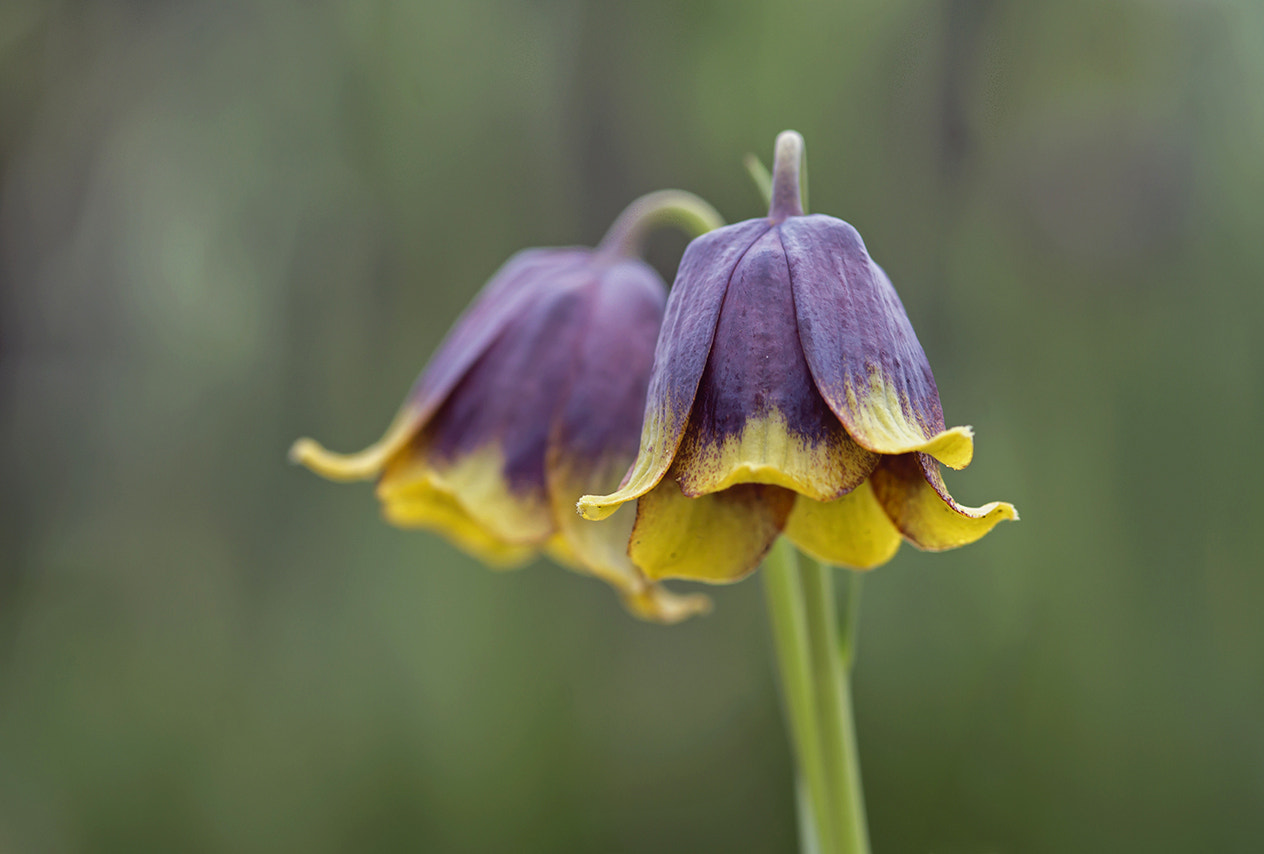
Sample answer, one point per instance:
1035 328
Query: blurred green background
225 225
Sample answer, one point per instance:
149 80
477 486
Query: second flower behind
534 399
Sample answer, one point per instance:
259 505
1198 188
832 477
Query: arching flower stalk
534 399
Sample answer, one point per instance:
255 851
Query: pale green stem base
783 587
815 684
834 703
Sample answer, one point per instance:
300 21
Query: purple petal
510 394
510 292
601 417
758 417
860 346
693 307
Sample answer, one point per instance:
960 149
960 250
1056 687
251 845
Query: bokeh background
227 224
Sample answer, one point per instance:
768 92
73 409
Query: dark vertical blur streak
959 50
19 102
964 26
593 114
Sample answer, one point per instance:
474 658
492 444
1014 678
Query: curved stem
784 591
787 169
833 697
686 211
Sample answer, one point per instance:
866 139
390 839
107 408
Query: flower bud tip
303 450
787 168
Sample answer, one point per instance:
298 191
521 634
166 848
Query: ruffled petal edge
600 549
912 492
717 538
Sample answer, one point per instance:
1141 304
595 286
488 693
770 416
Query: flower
789 394
534 399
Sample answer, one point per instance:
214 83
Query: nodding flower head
534 399
789 394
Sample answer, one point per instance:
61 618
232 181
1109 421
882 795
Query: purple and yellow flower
790 395
534 399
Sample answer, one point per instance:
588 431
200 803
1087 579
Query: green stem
851 618
685 211
761 177
784 591
807 829
833 705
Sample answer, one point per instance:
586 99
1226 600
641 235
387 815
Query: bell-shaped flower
789 394
534 399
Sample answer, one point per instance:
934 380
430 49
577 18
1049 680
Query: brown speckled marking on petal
860 346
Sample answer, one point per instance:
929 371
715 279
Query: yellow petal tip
362 466
997 511
594 508
657 605
302 449
366 464
954 448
